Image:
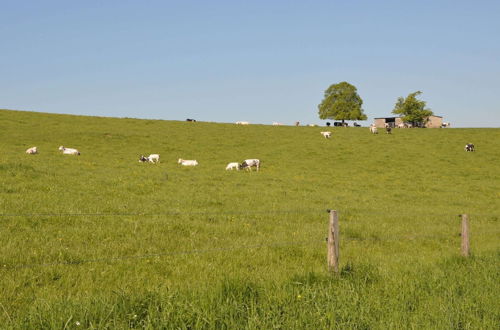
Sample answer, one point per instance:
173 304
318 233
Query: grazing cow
185 162
249 163
154 158
242 123
445 125
337 123
192 120
373 129
231 166
143 159
327 135
69 151
356 125
469 147
388 130
32 151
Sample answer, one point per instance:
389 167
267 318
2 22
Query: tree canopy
341 102
412 110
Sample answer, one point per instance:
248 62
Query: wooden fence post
333 242
465 235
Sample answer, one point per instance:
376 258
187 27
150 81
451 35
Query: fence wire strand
348 214
176 213
160 254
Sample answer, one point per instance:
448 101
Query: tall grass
103 241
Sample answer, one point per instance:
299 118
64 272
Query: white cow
32 151
373 129
154 158
327 134
242 123
185 162
69 151
249 163
277 124
230 166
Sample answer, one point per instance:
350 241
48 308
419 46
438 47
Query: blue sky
259 61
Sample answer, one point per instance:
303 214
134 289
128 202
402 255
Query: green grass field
102 241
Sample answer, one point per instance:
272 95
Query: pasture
101 240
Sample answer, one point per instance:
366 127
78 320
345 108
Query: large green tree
341 102
412 110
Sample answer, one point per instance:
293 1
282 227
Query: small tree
341 102
412 110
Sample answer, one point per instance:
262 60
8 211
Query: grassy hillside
101 240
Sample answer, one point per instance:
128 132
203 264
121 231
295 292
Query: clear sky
258 61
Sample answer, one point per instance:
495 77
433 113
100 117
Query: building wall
379 122
434 122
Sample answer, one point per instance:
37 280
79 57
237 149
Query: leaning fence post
333 242
465 235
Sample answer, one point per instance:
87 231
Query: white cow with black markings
249 163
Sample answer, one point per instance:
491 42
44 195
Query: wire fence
347 236
364 213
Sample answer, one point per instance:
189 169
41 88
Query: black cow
189 119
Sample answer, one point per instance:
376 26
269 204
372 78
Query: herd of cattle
247 164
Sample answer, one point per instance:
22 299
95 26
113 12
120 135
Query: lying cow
185 162
153 158
249 163
69 151
32 151
469 147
